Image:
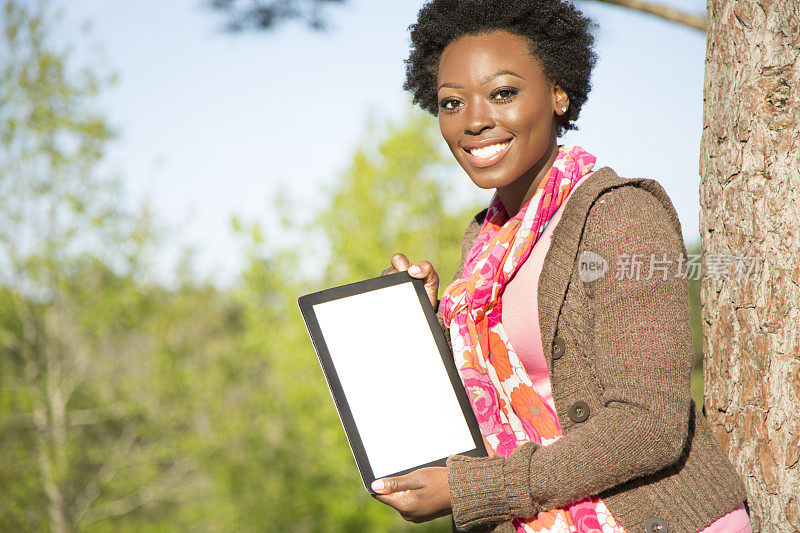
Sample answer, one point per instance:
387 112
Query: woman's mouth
487 154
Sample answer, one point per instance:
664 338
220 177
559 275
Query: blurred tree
128 406
695 312
77 448
296 470
394 197
268 14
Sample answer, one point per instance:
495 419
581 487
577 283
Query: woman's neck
516 194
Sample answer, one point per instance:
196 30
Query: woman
578 373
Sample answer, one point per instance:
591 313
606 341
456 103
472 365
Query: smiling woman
580 384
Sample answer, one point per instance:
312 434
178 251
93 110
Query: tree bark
750 205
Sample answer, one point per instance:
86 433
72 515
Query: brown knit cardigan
644 447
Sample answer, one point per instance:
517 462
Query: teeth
488 151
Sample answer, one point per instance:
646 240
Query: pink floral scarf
509 409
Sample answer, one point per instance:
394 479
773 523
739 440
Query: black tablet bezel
307 303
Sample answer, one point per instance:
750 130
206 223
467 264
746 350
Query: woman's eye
504 95
449 105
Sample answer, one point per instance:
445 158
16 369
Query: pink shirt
520 311
520 316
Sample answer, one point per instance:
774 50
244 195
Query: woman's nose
479 118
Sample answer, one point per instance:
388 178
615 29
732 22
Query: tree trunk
750 206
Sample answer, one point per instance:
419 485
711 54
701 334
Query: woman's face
497 108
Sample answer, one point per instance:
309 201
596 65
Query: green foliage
393 198
695 319
129 406
78 446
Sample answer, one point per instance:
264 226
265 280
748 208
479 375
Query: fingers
390 485
399 492
400 262
419 496
398 500
424 270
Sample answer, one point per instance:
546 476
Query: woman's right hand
422 270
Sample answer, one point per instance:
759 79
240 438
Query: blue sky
212 124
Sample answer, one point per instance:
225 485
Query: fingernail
414 270
377 485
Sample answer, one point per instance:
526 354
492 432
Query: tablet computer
391 375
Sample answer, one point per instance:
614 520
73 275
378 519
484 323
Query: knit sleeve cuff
489 490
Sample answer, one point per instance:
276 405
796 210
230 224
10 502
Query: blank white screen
393 378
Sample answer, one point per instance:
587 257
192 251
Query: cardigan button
558 347
578 412
655 525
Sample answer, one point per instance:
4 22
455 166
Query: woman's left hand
420 496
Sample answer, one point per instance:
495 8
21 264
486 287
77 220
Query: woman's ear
560 100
